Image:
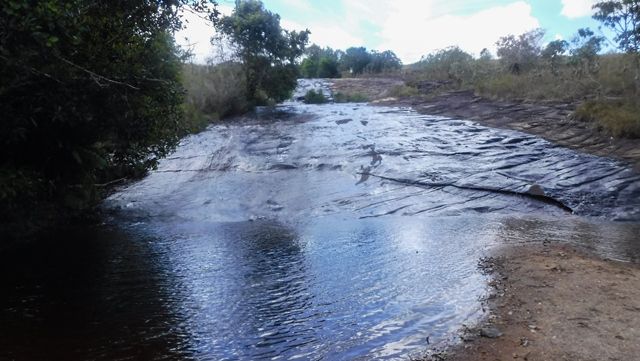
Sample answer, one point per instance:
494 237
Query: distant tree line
329 63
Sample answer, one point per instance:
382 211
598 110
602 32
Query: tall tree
267 51
519 53
88 90
355 60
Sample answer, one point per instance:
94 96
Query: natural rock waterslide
337 231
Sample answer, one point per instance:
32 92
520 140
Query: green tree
355 60
89 90
519 53
383 61
584 51
450 64
320 63
268 52
623 17
554 52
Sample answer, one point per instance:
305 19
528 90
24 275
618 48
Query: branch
96 76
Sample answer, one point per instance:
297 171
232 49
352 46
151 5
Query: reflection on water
263 239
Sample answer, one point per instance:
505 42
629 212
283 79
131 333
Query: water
275 237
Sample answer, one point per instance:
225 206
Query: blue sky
413 28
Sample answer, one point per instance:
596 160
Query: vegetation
267 52
321 63
96 92
89 92
605 85
350 98
213 92
315 97
329 63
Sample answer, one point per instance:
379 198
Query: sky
411 28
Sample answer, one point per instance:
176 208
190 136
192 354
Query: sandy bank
554 303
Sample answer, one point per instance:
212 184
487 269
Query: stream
333 231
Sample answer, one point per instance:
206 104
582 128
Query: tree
268 52
554 52
623 17
89 91
450 64
383 61
584 51
355 60
519 53
320 63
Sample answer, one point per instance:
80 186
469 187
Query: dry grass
619 117
610 76
213 92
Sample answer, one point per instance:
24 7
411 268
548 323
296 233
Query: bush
313 97
84 99
621 118
350 98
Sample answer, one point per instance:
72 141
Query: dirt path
553 303
552 121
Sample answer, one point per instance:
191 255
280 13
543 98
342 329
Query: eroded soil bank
551 120
554 303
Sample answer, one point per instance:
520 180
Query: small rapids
336 231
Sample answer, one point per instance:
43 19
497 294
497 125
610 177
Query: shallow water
274 237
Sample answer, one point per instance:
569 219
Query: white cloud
415 28
577 8
323 35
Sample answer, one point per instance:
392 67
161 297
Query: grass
621 118
403 91
341 97
213 92
592 83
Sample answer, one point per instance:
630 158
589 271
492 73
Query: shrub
621 118
350 98
313 97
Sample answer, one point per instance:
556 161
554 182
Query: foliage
320 63
350 98
403 91
621 118
518 53
623 17
355 60
586 46
313 97
358 60
268 52
450 64
89 91
213 92
383 62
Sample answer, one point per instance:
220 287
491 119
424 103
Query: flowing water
336 231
